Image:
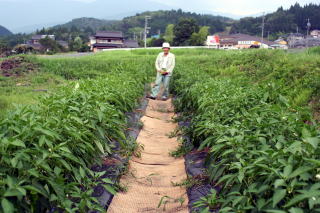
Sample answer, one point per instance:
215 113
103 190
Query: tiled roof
234 38
109 34
36 37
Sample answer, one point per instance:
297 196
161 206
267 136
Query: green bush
314 50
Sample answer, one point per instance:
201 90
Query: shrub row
264 153
46 150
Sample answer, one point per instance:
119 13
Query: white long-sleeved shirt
168 62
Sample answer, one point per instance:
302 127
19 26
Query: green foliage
161 19
88 25
3 46
183 31
169 35
78 45
156 42
47 148
13 40
314 50
50 45
252 115
199 38
282 21
85 27
181 150
263 152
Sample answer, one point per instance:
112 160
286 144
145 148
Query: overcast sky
17 15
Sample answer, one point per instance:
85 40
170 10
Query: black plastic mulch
195 169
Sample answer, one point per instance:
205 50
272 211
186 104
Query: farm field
252 111
256 112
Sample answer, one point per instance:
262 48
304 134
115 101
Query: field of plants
49 145
256 111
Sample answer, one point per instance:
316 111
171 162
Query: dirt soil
16 66
149 180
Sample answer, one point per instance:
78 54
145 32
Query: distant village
100 41
243 41
104 40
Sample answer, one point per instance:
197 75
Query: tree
77 44
198 39
169 34
135 31
50 45
3 46
156 42
282 21
183 31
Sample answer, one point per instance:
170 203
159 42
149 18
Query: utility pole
308 29
262 29
146 29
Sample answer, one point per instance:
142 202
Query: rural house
107 40
315 33
242 41
294 38
34 42
36 38
307 42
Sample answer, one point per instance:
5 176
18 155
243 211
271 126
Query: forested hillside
282 21
160 20
86 23
134 24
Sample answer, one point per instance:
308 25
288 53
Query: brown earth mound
16 66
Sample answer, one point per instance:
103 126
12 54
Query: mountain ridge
4 31
160 19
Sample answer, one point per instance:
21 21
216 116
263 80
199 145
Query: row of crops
47 149
253 111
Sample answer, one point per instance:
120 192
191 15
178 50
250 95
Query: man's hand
164 73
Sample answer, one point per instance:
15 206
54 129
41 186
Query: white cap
165 45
